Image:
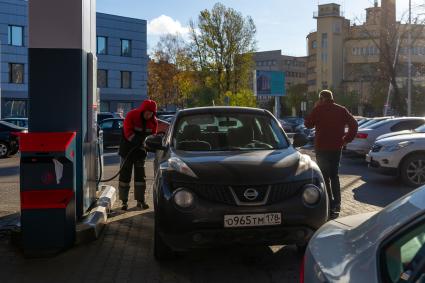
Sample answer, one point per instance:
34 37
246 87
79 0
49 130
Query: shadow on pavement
388 191
124 254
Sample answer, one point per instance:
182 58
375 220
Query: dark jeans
328 161
139 179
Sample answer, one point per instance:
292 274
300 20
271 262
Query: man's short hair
326 94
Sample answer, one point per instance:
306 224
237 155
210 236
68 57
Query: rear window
228 132
378 125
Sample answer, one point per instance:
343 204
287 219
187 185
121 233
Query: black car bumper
205 238
203 224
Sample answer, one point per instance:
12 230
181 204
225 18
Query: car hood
401 138
405 132
250 167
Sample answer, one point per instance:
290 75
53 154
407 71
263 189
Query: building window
104 106
102 45
124 107
125 47
324 57
102 78
324 40
16 36
337 28
314 44
14 108
16 73
125 79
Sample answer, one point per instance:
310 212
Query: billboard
269 83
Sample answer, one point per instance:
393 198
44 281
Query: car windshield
10 125
228 132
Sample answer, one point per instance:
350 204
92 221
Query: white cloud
166 25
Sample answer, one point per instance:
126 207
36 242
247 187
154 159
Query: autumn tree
170 78
222 42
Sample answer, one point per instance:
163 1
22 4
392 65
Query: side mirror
300 140
154 143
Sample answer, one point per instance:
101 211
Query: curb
92 226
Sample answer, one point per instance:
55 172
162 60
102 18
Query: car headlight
311 194
183 198
396 147
178 165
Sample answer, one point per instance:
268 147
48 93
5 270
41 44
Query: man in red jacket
138 124
330 120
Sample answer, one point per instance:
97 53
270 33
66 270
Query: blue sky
281 24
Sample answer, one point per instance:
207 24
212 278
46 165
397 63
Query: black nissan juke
229 175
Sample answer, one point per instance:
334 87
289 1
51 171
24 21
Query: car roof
221 109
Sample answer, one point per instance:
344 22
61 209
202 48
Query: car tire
161 251
408 167
13 152
4 150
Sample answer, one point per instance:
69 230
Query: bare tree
389 38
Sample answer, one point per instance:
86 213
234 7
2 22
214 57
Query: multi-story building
295 68
121 51
350 57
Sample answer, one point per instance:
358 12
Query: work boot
334 215
142 204
124 206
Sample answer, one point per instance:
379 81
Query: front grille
376 148
216 193
223 194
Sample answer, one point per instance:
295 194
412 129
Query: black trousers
138 164
329 162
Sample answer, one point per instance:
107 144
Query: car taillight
302 270
362 136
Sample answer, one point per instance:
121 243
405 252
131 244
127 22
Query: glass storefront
124 107
14 108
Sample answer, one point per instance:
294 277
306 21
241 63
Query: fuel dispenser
48 191
59 162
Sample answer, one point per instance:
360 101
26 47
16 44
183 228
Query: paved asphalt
124 252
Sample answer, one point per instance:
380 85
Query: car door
107 126
117 132
402 257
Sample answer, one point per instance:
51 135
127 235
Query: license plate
252 220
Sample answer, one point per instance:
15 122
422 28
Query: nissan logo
250 194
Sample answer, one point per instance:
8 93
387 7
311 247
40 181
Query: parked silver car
400 154
366 136
388 246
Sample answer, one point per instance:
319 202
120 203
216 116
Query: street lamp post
0 80
409 79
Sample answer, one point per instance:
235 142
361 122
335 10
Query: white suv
401 155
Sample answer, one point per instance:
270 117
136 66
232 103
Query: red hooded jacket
133 122
330 120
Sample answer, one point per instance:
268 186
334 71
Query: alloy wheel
416 172
3 150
